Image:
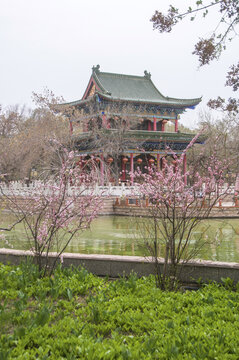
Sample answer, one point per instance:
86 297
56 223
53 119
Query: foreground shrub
75 315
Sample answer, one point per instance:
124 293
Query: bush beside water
75 315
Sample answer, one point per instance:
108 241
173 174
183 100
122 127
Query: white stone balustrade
21 189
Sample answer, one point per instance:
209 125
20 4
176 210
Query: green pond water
117 235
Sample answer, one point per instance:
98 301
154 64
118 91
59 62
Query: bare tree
26 138
220 138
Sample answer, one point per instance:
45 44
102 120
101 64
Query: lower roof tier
139 140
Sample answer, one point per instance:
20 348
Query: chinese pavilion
124 121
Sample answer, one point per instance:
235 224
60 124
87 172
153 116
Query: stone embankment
115 265
108 206
134 207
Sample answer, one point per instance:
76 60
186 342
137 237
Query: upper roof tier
129 88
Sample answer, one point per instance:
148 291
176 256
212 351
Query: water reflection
117 235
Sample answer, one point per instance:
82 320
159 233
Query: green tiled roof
127 87
133 88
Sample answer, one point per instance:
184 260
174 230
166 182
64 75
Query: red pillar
102 170
131 168
123 170
104 121
185 168
176 125
155 124
149 125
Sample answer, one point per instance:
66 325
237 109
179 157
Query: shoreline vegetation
76 315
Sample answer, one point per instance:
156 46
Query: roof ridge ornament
96 69
147 75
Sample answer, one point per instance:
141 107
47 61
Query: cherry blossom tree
176 207
56 211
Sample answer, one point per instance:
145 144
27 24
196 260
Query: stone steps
108 206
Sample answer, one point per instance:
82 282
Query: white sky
55 43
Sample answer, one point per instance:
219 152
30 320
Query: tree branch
12 226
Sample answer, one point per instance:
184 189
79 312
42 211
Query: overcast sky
55 43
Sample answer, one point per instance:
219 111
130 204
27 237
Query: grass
75 315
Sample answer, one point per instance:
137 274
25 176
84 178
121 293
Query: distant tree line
29 140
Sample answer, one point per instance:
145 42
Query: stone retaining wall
114 266
107 209
129 207
108 206
217 212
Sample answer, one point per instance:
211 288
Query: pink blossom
53 214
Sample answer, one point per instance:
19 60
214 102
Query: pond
116 235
